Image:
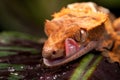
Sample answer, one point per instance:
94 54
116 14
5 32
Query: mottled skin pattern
115 53
88 25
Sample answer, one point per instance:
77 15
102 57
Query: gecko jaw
71 55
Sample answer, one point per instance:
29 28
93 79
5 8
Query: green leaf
16 67
4 65
14 76
91 69
82 66
6 53
18 48
86 67
5 37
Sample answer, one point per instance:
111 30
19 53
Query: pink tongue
71 47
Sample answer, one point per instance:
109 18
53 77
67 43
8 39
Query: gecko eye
81 36
84 35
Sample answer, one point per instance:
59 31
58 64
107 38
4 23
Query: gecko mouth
72 51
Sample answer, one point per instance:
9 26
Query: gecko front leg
115 53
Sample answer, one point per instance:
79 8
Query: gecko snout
52 54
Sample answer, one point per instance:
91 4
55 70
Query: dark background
28 16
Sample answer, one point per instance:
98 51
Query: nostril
57 54
54 53
49 54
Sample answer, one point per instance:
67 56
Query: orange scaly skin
88 25
115 53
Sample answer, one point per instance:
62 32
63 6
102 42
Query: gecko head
60 50
72 33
